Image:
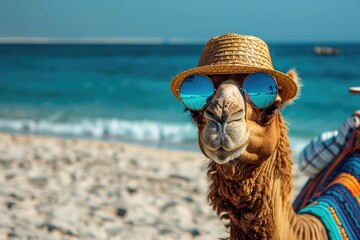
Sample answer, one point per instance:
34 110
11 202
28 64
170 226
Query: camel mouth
222 156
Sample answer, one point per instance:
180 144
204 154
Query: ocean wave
145 131
106 128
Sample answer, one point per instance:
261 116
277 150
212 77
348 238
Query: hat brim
288 86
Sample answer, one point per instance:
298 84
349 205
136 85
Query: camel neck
263 213
288 224
246 197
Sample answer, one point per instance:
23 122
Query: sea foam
125 130
106 128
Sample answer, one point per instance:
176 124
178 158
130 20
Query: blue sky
272 20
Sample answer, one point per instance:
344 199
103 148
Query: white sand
82 189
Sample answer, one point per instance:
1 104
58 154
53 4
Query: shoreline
148 145
89 189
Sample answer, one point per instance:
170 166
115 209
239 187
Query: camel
250 167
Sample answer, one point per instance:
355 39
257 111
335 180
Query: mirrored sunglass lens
260 89
196 92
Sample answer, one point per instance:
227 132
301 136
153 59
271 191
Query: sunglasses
259 89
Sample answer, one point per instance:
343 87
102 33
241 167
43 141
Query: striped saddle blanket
333 192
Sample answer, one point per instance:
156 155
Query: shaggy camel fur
251 187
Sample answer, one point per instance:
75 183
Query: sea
120 92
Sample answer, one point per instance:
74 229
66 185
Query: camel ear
294 75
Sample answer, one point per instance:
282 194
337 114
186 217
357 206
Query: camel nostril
236 116
210 116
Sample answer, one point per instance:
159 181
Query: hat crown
234 54
236 50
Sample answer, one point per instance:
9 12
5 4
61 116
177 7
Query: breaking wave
106 128
124 130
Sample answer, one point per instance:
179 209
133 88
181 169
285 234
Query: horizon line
134 40
100 40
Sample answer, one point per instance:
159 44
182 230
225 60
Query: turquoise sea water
121 92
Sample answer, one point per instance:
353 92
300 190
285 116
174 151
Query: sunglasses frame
240 89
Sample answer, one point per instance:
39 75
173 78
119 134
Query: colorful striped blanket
333 195
324 149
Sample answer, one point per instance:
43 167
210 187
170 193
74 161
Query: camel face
230 129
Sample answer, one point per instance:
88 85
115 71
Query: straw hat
232 53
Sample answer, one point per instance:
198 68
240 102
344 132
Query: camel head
231 131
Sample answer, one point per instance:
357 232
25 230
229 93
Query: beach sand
52 188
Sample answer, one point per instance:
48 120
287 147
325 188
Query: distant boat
355 90
326 51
